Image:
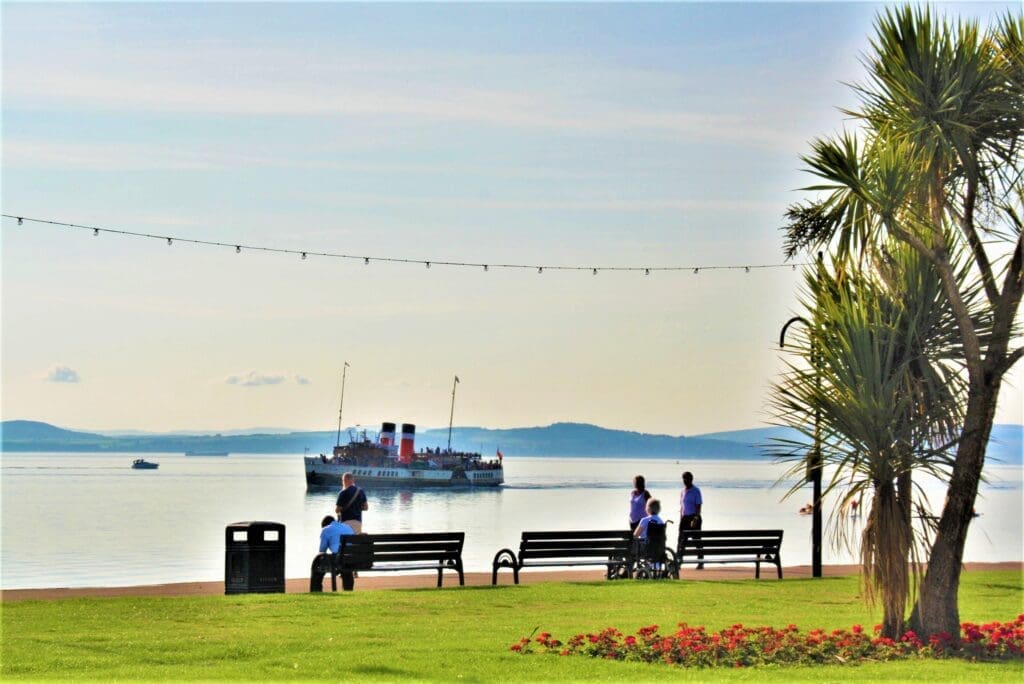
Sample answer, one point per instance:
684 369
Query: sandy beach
371 582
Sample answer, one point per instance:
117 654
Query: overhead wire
367 259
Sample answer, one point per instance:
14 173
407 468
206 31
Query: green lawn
452 633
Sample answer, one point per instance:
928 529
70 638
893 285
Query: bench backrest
575 544
361 551
729 543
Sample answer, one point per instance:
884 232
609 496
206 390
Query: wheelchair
654 560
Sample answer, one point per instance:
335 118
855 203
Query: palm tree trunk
937 608
884 549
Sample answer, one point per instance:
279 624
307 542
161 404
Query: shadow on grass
379 670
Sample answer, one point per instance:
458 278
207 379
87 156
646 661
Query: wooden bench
731 546
611 548
438 551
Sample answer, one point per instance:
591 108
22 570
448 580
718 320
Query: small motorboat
143 464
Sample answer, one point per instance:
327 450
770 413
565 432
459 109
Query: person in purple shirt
690 504
330 543
638 502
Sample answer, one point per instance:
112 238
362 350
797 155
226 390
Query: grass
452 633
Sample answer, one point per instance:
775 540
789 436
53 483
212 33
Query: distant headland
558 439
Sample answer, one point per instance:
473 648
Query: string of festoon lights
368 259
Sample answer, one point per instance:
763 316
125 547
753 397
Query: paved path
368 581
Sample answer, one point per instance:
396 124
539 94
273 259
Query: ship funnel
387 434
407 448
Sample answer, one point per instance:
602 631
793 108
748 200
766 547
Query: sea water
78 520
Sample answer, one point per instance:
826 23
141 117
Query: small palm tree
884 395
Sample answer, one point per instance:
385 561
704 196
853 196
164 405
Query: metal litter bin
254 557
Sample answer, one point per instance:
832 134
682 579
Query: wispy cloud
302 381
256 379
48 154
532 106
62 374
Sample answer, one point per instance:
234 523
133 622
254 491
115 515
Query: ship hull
321 475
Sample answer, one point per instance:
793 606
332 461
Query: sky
584 135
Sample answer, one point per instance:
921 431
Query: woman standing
638 502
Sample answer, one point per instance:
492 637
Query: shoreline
385 581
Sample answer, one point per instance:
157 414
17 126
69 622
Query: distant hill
754 435
1006 444
582 439
31 429
46 437
559 439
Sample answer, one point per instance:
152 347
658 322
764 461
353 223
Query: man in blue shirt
330 542
331 534
690 503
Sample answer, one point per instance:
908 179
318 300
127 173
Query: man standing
330 543
690 503
351 503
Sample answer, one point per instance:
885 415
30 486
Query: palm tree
883 398
937 166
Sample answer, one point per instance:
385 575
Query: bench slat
577 535
385 557
415 536
579 553
569 547
725 546
739 534
379 547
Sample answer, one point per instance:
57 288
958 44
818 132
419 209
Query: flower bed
740 646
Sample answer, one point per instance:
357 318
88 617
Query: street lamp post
814 457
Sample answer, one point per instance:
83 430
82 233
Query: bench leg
317 570
506 558
440 571
757 571
348 581
778 566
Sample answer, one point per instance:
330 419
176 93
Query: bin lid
256 524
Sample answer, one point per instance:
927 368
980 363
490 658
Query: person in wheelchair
652 557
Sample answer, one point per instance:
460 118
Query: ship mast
451 416
342 405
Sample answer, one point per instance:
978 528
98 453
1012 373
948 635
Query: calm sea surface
77 520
